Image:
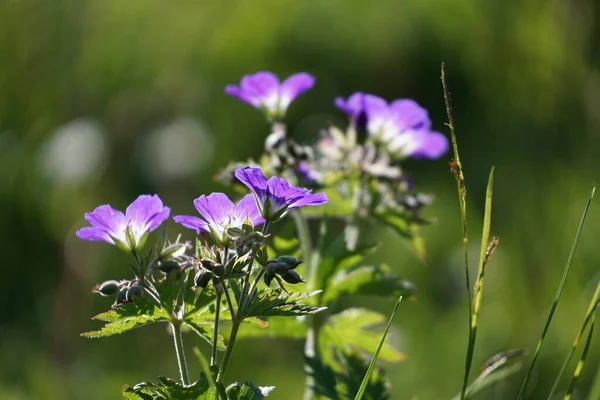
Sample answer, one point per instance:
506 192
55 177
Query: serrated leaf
371 280
249 391
128 316
291 328
168 389
273 302
353 328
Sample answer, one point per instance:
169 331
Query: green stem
311 346
213 356
179 352
228 351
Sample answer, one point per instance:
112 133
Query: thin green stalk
213 355
581 361
457 171
365 382
229 302
311 345
486 252
227 357
588 317
557 295
179 352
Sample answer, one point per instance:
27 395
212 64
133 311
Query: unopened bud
122 297
292 277
107 288
219 270
168 266
202 278
208 263
268 277
134 291
289 261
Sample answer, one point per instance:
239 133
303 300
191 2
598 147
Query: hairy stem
213 355
179 352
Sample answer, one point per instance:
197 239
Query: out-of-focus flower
402 126
263 90
218 214
130 230
275 196
354 107
307 173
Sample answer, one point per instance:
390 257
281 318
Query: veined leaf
128 316
168 389
353 329
373 280
249 391
291 328
272 302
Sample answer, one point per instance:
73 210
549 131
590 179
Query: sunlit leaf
372 280
272 302
353 328
291 328
168 389
128 316
249 391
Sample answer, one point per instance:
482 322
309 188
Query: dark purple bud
219 270
107 288
208 263
122 297
289 261
134 291
268 277
168 266
202 278
292 277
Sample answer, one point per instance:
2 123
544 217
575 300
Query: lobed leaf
274 302
168 389
371 280
128 316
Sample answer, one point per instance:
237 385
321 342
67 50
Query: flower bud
122 297
134 291
208 263
107 288
202 278
268 277
289 261
168 266
292 277
219 270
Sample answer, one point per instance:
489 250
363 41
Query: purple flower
354 107
130 230
218 214
403 126
275 196
307 173
264 91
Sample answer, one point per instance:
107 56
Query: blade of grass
367 377
485 255
581 361
457 171
557 296
588 317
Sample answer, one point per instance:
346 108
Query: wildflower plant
244 275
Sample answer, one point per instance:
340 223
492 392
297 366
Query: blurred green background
103 100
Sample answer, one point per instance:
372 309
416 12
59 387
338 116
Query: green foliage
274 302
371 280
371 371
404 227
291 328
352 329
248 391
128 316
342 380
168 389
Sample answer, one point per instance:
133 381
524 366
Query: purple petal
191 222
235 91
109 220
354 106
432 145
159 219
307 173
377 111
262 87
144 209
94 234
254 179
408 114
281 192
214 208
310 200
247 208
294 86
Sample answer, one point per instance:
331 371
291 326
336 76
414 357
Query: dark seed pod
107 288
208 263
219 270
122 297
289 261
268 277
202 278
292 277
168 266
134 291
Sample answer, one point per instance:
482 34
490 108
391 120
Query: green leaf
581 361
371 370
372 280
249 391
128 316
353 329
168 389
272 302
290 328
343 380
405 228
